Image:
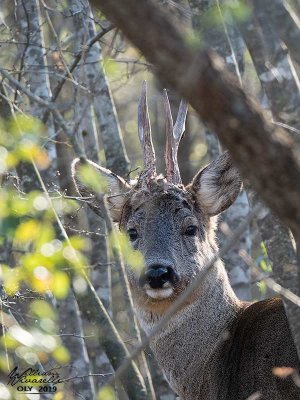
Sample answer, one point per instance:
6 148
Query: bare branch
50 106
74 64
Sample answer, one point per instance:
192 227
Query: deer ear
217 185
116 188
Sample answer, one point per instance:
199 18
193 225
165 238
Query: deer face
168 228
171 225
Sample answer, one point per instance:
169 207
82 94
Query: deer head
172 225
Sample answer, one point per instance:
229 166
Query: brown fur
260 340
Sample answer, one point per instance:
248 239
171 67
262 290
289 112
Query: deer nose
157 275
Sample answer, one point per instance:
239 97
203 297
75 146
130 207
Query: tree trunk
72 336
85 129
284 21
274 68
116 158
35 73
216 37
278 78
282 254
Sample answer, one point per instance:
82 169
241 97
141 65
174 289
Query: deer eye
191 230
132 233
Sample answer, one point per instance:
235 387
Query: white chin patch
160 293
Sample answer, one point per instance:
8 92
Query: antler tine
144 131
170 143
173 137
179 126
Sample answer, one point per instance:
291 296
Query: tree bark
72 336
274 68
213 34
278 78
282 254
85 129
284 21
115 153
217 38
35 73
68 308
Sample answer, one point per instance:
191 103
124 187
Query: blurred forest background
70 84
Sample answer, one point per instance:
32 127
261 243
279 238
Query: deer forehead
161 204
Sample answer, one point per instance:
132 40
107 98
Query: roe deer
215 347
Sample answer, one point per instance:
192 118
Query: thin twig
84 376
51 108
286 126
57 40
74 64
271 283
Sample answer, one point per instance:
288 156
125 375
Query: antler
144 130
173 137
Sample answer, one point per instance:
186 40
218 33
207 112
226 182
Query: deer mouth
160 293
158 281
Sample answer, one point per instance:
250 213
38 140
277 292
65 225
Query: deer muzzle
158 280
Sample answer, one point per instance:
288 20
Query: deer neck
190 348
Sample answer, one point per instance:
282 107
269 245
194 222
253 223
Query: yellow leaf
27 231
112 69
4 209
23 124
106 393
41 159
31 261
132 258
8 341
42 309
61 355
60 284
11 278
28 150
5 364
59 396
135 260
40 278
46 235
92 179
19 206
80 243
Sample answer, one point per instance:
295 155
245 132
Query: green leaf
92 179
106 393
42 309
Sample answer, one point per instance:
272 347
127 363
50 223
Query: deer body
231 355
190 352
214 347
